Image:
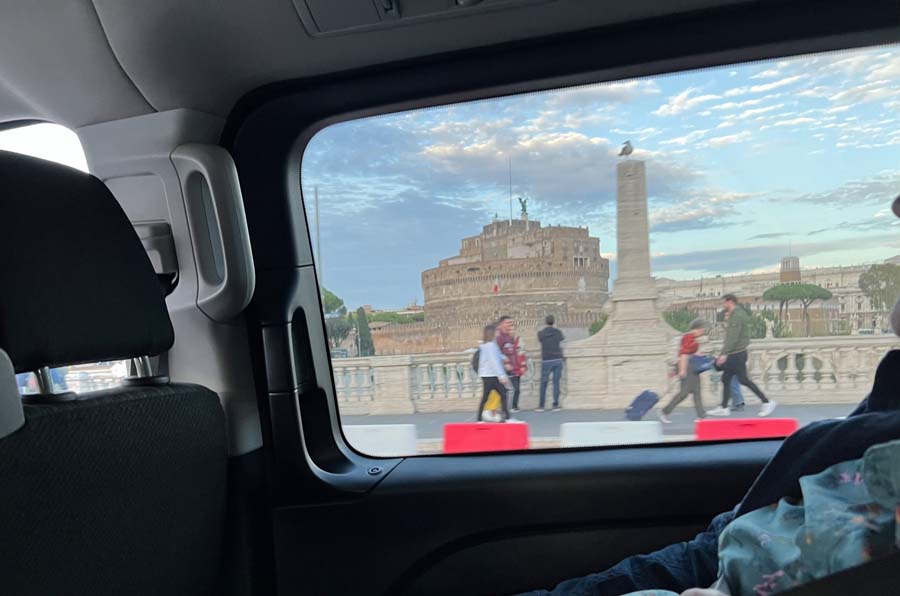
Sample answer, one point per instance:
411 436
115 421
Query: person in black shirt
551 361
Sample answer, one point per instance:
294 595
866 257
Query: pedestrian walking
552 361
737 396
688 372
513 359
492 371
733 359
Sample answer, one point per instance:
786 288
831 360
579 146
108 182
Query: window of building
702 157
59 144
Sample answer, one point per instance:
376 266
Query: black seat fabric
119 492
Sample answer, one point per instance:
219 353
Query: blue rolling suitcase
642 404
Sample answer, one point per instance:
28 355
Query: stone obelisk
629 354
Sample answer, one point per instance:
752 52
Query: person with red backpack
513 358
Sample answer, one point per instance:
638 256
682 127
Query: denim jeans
737 398
548 367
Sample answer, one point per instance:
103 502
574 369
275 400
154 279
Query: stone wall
428 337
524 288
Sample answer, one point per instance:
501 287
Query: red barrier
745 428
472 437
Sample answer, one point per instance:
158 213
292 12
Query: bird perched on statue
626 150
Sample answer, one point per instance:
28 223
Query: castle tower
790 270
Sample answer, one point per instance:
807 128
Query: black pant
492 384
736 366
515 385
690 385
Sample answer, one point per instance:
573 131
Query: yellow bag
493 401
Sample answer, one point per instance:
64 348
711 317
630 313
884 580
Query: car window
603 264
59 144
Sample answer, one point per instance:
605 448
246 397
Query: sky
744 163
46 141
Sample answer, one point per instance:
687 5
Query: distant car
865 332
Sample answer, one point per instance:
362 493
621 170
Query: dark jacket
810 450
551 338
737 331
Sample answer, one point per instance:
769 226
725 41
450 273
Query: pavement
546 424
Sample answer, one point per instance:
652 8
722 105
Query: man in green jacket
733 359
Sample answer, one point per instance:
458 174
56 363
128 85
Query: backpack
476 359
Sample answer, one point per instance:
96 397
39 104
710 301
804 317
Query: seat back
113 492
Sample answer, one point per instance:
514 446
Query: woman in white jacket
491 370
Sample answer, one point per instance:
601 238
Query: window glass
59 144
629 212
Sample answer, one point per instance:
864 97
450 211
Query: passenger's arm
677 568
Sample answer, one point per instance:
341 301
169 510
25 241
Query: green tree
397 318
366 347
881 283
331 304
805 294
680 319
337 329
760 321
598 324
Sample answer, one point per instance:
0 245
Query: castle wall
422 338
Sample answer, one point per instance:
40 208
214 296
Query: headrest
12 416
76 283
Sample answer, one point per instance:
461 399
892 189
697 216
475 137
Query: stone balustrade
811 370
794 370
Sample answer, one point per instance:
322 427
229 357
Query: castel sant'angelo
513 267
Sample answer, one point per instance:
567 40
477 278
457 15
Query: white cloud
683 101
764 87
777 84
732 105
641 134
795 121
837 109
890 70
818 91
726 124
730 139
769 73
757 111
865 92
691 137
704 209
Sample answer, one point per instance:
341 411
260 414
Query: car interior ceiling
190 108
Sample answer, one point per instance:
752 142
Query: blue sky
741 161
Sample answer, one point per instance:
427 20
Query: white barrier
597 434
382 440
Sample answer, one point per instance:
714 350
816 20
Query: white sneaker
539 410
515 421
515 410
768 408
664 419
719 411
